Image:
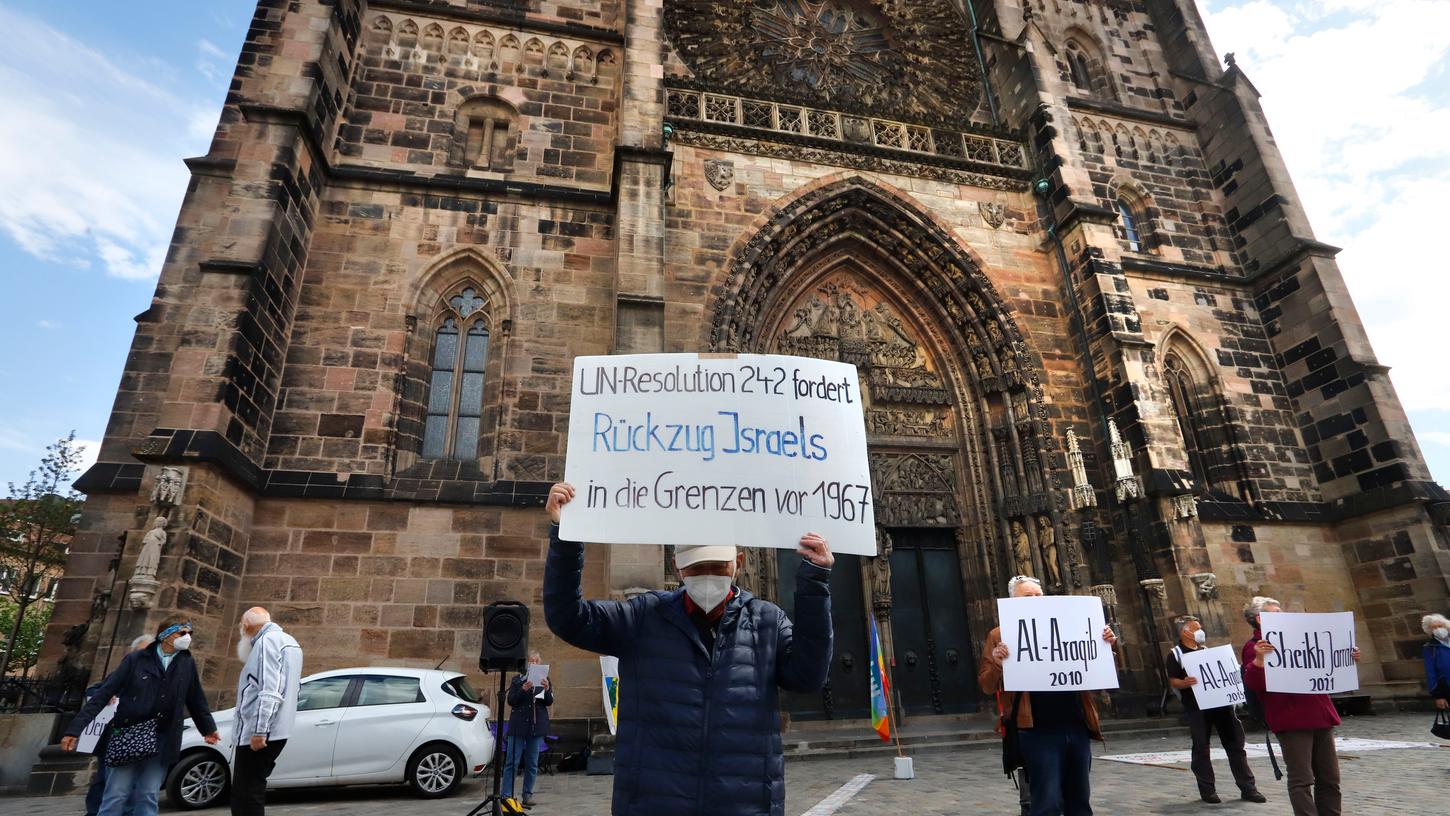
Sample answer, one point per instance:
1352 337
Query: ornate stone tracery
888 58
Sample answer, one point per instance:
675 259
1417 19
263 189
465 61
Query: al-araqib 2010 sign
749 449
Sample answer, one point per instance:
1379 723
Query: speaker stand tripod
494 804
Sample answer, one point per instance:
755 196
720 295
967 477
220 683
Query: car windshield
459 687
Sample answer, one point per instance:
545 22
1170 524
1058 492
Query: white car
362 726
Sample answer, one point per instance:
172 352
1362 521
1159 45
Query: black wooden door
935 669
847 694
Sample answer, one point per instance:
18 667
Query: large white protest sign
745 449
1313 652
1220 682
1056 644
92 735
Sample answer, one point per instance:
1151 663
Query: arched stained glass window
1182 393
455 387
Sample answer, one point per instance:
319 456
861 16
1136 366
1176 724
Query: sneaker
1211 798
1253 796
528 801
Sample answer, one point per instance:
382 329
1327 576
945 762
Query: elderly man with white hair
699 673
1437 659
266 706
1054 728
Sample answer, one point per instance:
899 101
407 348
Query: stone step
830 743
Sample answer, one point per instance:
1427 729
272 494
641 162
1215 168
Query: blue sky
102 101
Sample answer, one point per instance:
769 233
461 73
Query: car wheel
200 780
435 770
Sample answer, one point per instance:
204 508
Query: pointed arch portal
961 462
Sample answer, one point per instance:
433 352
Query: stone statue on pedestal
1047 540
1021 549
143 578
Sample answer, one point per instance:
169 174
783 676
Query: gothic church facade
1097 338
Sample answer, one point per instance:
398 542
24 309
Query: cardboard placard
1313 652
92 735
1220 678
748 449
1056 644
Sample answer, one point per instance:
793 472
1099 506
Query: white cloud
89 450
1351 93
46 324
1434 437
96 149
207 61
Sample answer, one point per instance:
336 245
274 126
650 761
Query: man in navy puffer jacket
699 669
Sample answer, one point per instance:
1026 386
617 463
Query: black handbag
1011 740
129 744
1441 728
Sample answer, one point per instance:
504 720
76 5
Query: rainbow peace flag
880 686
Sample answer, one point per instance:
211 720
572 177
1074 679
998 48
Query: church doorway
935 671
847 694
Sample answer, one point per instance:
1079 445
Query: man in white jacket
266 707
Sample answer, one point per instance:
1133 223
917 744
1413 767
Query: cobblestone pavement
1406 782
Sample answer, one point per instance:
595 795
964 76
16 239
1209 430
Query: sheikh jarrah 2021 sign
1313 652
747 449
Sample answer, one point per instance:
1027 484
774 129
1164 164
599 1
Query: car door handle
321 723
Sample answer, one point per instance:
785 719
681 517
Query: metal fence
29 695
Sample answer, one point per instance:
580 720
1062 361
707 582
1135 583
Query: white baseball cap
696 553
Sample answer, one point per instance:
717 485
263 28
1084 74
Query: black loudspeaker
505 637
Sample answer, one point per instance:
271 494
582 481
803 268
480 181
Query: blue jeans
131 790
1058 762
529 748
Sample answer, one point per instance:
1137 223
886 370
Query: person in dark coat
699 673
152 684
97 788
528 725
1437 659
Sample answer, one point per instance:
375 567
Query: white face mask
182 643
707 591
1200 636
1441 633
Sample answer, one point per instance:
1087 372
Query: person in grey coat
266 707
699 673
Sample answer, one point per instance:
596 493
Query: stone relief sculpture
167 490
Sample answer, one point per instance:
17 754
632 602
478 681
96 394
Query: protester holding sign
1437 659
1202 721
1303 722
93 741
699 669
1053 728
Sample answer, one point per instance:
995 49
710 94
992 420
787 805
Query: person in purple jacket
1304 724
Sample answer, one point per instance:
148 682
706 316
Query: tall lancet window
455 389
1192 419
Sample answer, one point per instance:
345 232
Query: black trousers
1231 736
249 777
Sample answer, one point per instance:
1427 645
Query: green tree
29 636
36 525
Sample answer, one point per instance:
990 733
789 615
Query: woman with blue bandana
153 685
